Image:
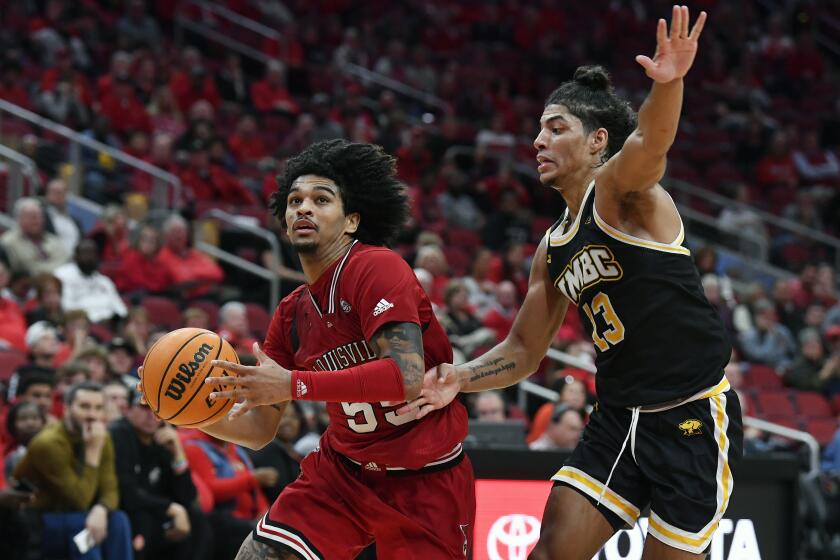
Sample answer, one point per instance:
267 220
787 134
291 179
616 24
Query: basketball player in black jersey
667 428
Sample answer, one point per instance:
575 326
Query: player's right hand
440 387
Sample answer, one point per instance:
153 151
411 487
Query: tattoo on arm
402 342
253 550
492 367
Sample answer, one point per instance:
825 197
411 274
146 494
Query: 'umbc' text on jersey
591 265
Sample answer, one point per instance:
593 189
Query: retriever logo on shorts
691 427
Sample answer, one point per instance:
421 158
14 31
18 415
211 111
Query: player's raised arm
641 162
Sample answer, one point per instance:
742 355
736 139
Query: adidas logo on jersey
372 467
301 388
381 307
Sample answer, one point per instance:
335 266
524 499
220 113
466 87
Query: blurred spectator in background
85 288
208 181
100 168
43 344
508 224
571 391
191 271
116 395
76 334
23 422
137 329
563 431
77 491
280 454
196 318
136 29
457 204
12 321
270 93
233 327
245 143
57 219
711 289
500 316
227 470
35 385
12 88
191 83
431 258
742 218
326 128
768 342
65 103
121 360
156 489
140 269
810 371
47 301
111 233
28 245
489 406
124 110
96 360
464 329
70 373
815 165
232 82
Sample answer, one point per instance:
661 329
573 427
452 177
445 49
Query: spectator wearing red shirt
233 327
140 267
210 181
245 143
12 321
124 110
236 487
188 268
10 85
193 84
500 317
414 156
64 71
777 169
120 69
270 93
111 233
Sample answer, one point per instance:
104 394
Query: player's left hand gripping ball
263 384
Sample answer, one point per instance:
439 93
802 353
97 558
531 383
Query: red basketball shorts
337 507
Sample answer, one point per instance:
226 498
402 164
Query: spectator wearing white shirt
58 220
85 288
28 246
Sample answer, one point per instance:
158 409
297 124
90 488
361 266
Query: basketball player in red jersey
359 335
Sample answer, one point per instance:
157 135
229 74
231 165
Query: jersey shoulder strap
293 333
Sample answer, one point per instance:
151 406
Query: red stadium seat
162 311
10 360
258 319
823 429
776 403
835 404
458 259
762 377
786 421
812 405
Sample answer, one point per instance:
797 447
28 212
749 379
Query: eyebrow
316 188
551 117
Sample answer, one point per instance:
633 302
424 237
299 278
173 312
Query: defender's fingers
229 394
646 62
239 409
684 22
424 411
227 380
410 406
676 16
661 32
698 27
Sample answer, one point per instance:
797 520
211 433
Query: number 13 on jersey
614 331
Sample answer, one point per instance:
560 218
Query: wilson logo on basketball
186 372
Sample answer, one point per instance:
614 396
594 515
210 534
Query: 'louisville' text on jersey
345 356
589 266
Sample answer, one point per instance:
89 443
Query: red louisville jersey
327 326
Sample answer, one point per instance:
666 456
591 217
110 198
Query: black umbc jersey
656 336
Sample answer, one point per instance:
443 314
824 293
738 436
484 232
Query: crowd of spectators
81 304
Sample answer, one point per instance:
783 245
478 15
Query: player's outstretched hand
440 387
675 52
266 383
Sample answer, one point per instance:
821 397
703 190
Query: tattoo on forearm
493 367
402 342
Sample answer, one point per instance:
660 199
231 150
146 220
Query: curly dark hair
366 179
590 97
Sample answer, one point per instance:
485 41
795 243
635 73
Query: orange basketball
174 372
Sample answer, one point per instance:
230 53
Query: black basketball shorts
678 461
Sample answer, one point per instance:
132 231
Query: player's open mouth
304 226
543 162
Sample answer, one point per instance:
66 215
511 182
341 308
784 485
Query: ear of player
675 51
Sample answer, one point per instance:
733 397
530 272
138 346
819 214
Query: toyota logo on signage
512 537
